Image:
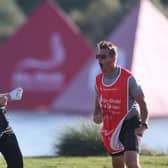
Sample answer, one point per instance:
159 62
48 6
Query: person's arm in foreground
3 101
97 116
15 94
143 114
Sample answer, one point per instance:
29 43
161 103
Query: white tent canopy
150 57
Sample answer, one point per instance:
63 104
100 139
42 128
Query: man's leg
11 152
132 159
118 161
131 142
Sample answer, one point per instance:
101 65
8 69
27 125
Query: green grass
86 162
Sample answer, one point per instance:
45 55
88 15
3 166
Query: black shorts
127 135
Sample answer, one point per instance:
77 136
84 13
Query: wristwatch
145 125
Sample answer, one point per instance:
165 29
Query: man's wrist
144 125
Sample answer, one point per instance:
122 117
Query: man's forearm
143 107
97 115
144 113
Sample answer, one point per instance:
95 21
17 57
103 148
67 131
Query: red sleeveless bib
113 100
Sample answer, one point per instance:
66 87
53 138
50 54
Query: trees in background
28 6
164 2
100 18
95 18
11 17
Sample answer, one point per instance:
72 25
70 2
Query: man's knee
118 161
132 164
118 165
132 159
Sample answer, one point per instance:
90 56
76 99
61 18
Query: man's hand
98 118
3 101
140 131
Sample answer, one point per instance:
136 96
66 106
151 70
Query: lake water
37 132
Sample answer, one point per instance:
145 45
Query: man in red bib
116 106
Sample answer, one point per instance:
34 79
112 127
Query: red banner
43 57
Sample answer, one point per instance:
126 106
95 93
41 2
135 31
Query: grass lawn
86 162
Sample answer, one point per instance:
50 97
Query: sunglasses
103 56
